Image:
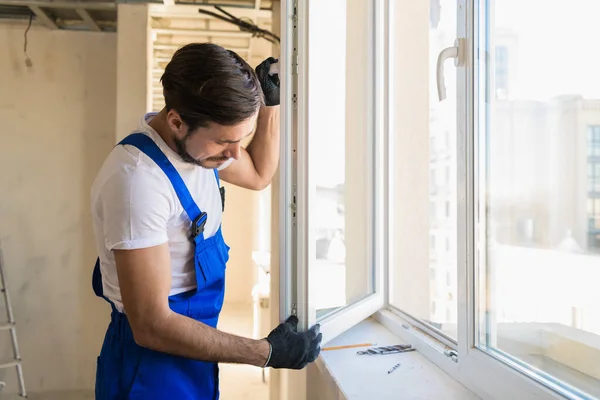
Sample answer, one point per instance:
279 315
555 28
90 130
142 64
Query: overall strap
151 149
221 189
97 285
145 144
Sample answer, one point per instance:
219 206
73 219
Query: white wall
58 124
240 230
134 67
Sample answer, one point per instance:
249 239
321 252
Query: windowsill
366 377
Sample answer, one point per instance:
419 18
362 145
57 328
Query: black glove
269 83
291 349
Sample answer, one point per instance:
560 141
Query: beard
207 163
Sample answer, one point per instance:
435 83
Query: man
156 207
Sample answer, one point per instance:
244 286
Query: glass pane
424 279
539 303
340 133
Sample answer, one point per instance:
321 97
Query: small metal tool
393 368
398 348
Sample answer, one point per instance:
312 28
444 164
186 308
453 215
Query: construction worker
156 206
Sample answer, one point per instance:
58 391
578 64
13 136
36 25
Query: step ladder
10 325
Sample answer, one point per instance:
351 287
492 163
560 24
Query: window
593 233
339 213
424 135
593 141
593 175
332 173
340 131
537 310
512 294
501 66
490 202
593 178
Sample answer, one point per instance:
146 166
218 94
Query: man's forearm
264 147
179 335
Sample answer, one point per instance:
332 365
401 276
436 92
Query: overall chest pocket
211 263
207 302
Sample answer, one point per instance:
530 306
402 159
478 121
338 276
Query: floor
238 382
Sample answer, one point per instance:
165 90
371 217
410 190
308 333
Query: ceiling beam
177 46
41 14
60 4
191 11
201 32
89 21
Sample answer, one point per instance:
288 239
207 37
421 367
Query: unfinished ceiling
177 27
173 23
96 15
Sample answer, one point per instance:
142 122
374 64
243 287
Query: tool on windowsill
398 348
393 368
348 346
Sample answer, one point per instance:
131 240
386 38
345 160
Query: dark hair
206 83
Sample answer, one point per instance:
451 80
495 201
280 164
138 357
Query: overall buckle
198 225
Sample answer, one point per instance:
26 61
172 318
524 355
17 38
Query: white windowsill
366 377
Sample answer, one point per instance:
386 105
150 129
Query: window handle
455 52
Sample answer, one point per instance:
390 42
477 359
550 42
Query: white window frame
296 252
486 374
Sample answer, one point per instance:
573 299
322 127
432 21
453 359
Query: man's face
209 147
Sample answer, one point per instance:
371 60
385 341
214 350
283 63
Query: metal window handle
455 52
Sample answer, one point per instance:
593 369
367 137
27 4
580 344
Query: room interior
437 188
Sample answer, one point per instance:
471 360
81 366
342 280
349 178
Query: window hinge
295 38
295 63
293 205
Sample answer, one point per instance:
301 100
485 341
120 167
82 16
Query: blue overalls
128 371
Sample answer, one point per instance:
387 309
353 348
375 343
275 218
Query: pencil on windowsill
348 346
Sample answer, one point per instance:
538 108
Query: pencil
348 346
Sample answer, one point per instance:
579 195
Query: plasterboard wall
58 123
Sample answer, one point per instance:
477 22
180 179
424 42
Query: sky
558 53
558 46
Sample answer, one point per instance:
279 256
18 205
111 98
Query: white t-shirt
135 206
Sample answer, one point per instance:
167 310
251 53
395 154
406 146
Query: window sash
490 374
296 253
461 118
336 323
492 366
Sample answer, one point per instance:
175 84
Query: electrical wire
245 25
27 59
